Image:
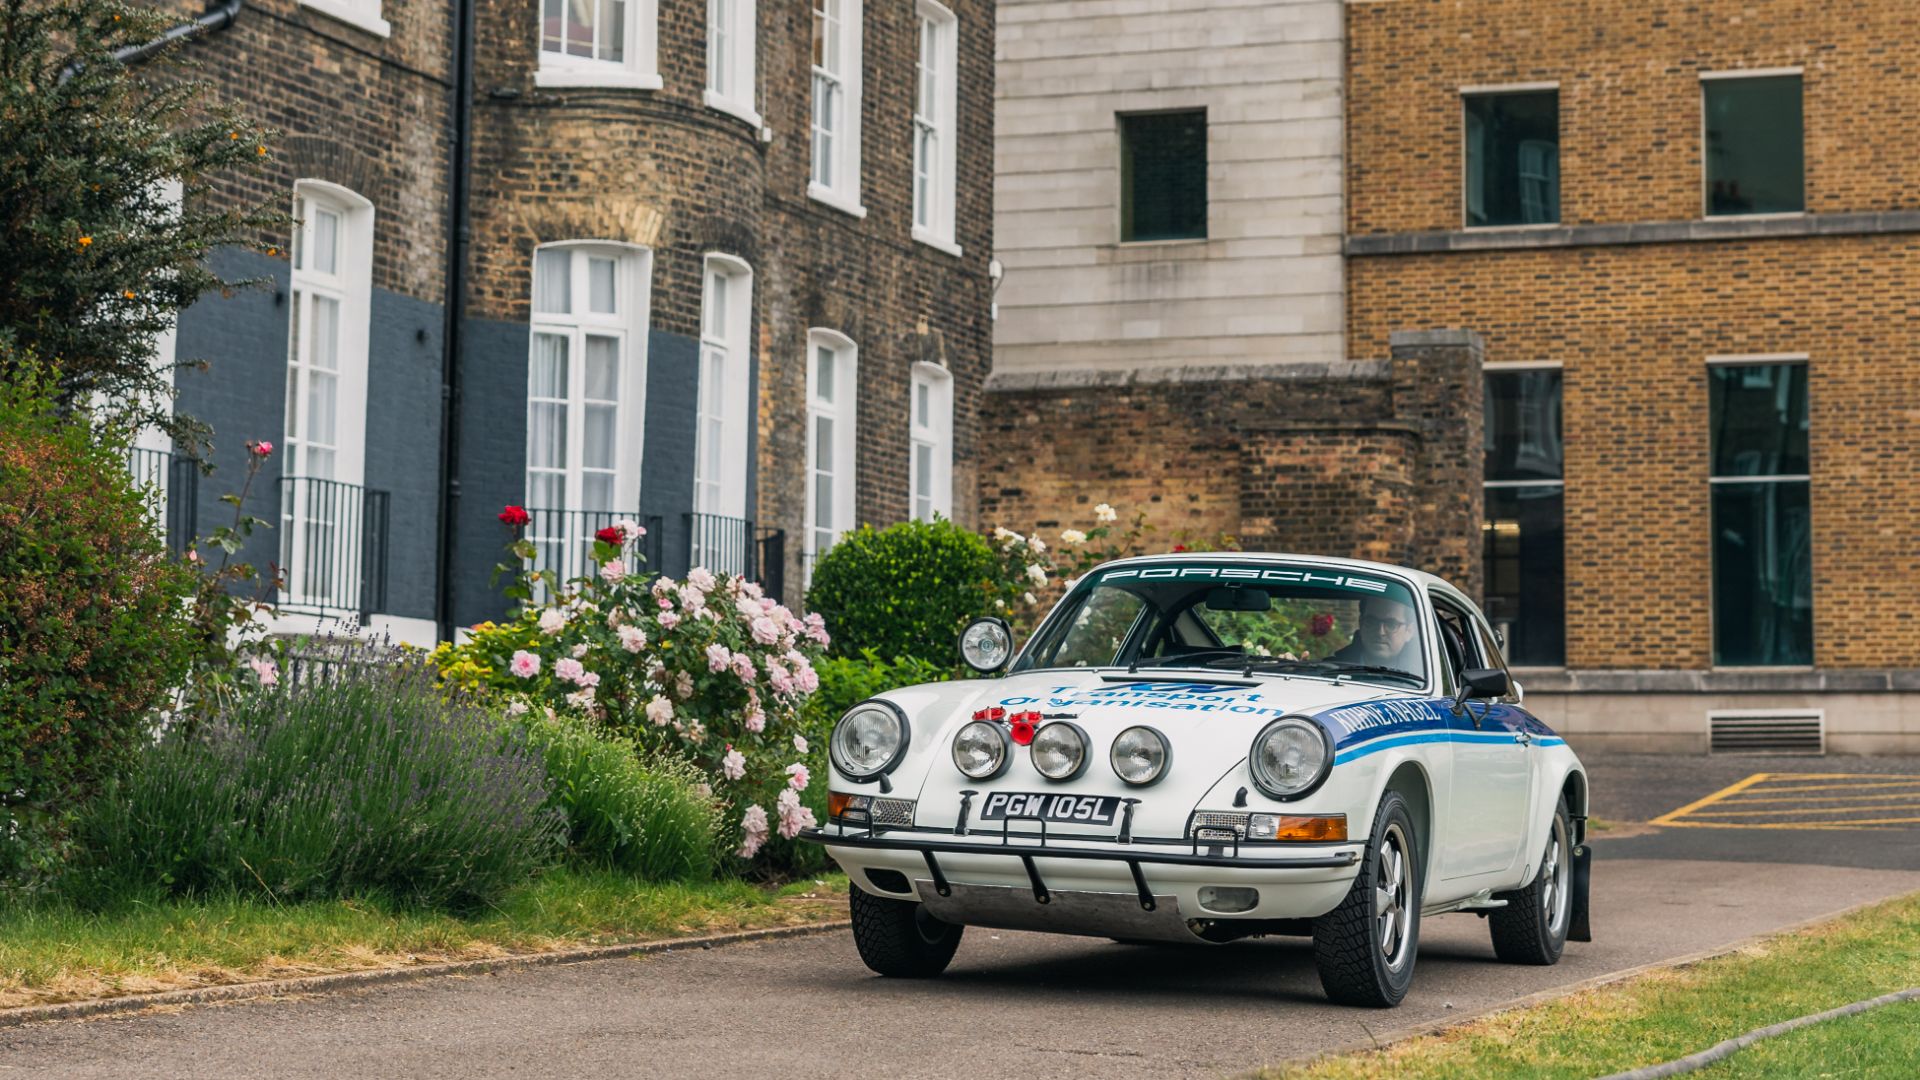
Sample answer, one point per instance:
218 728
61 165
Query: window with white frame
599 43
836 105
324 448
832 393
933 126
720 538
730 58
930 479
364 14
585 387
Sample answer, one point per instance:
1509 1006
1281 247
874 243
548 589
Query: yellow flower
86 241
233 135
263 151
129 294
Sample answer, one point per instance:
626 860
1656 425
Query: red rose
611 535
514 517
1321 624
1179 547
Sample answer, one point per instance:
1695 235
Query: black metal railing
333 547
724 545
173 483
773 562
563 540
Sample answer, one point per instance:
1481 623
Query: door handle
1523 737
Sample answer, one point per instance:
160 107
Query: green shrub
369 782
905 590
844 683
92 630
649 818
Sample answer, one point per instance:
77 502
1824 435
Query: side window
1490 654
1455 644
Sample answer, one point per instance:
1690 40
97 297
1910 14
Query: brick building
1687 239
1674 432
718 265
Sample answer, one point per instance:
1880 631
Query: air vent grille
1768 732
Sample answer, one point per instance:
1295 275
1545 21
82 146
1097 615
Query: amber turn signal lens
837 805
1310 829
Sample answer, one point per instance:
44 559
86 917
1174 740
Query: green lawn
51 953
1670 1014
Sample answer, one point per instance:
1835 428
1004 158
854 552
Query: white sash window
832 395
930 463
730 58
599 43
836 105
933 127
722 436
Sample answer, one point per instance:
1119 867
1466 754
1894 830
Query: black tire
1532 928
897 938
1358 964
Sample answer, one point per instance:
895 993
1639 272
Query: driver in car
1386 637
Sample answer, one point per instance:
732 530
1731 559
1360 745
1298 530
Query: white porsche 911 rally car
1199 748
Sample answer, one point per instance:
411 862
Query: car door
1492 773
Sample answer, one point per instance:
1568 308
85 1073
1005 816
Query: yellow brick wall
1629 75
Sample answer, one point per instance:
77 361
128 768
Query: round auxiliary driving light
1140 756
986 644
1060 751
1290 757
869 740
981 751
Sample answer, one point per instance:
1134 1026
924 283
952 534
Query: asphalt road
1013 1004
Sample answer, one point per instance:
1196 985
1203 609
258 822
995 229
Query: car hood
1208 723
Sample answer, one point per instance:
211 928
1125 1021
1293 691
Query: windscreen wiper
1346 667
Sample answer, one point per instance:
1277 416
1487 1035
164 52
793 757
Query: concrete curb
1385 1039
346 980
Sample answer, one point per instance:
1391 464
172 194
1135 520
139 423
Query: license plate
1083 809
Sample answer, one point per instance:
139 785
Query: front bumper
956 875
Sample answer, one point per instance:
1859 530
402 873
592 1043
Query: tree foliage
108 208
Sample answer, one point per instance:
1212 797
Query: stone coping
1722 681
1645 232
1090 378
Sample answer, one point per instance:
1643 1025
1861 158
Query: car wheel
1532 928
1365 947
898 938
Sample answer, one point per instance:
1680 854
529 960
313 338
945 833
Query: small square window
1513 158
1163 176
1755 160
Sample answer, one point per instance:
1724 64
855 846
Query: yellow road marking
1820 775
1768 789
1742 800
1668 818
1810 810
1864 825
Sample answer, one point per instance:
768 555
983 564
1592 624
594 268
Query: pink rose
524 664
669 620
660 711
753 831
799 744
567 669
793 816
797 776
718 658
264 670
807 679
756 721
700 578
734 765
817 629
743 668
782 681
613 571
632 639
764 631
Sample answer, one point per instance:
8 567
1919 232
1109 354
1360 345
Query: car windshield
1232 616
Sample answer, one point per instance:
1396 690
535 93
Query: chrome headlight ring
982 735
1053 732
1298 730
868 720
1165 749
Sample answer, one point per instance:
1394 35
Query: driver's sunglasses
1391 626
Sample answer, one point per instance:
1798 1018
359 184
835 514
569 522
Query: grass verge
1673 1013
52 953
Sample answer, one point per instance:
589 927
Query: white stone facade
1266 286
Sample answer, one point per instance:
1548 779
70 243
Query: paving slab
1013 1004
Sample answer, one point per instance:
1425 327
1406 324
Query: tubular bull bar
932 843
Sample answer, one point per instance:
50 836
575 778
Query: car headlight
1060 751
980 750
1290 757
1140 755
869 740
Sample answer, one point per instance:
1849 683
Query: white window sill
927 237
353 15
610 78
822 194
733 108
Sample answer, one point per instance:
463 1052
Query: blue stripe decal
1373 746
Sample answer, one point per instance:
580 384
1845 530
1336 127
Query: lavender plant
372 781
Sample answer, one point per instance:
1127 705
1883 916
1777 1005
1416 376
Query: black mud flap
1578 926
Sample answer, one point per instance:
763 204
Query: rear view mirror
1237 598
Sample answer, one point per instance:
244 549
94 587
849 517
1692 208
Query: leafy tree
97 253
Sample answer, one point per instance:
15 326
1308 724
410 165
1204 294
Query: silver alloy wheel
1554 869
1393 897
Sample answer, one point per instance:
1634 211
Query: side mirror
1487 683
1519 693
987 645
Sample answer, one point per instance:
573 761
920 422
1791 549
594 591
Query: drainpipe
458 235
218 16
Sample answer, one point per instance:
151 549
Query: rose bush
709 668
